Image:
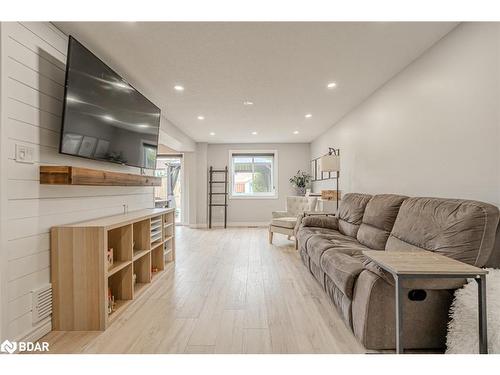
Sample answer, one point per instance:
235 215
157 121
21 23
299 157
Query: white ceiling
282 67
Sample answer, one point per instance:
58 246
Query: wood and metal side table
404 265
319 213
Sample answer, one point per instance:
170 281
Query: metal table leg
399 315
481 296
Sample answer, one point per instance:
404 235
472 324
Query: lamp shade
329 163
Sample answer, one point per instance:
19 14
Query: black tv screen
104 117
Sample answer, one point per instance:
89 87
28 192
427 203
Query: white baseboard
197 226
38 332
232 224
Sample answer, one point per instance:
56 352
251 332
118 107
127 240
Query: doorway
169 194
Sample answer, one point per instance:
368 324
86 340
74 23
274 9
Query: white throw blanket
463 328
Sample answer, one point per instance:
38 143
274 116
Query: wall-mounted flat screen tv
104 117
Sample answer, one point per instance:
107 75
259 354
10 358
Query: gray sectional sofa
331 248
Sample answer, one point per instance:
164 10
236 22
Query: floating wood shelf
67 175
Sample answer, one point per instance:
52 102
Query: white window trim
275 195
143 156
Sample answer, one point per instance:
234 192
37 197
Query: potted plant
300 181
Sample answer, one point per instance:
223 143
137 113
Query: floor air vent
42 303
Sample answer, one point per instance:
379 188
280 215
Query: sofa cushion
340 300
305 233
336 241
318 273
460 229
378 220
343 270
318 244
351 210
284 222
304 257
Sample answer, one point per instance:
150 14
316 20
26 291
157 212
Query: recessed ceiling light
296 132
142 125
108 118
201 117
254 133
247 102
308 115
212 133
178 88
331 85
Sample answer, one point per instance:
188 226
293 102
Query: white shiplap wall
33 56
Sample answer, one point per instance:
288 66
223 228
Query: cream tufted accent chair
284 221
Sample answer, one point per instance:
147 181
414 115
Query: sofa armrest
373 314
298 224
327 222
278 214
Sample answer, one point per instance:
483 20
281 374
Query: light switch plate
24 154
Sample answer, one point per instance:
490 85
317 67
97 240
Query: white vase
301 191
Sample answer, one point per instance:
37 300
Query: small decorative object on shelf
154 269
116 157
111 302
329 195
110 257
300 181
134 279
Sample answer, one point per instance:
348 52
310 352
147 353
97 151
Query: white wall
202 182
32 78
190 179
291 157
434 129
3 261
174 138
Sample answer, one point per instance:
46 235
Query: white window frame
272 195
147 142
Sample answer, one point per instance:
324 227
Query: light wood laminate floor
229 292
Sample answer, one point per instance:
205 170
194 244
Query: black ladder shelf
211 193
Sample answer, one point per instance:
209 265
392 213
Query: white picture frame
87 146
71 143
101 149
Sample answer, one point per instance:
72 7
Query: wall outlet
24 154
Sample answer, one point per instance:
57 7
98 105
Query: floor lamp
331 163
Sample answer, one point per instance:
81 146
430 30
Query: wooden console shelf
67 175
81 277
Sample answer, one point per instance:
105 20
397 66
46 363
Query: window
253 174
149 156
169 168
